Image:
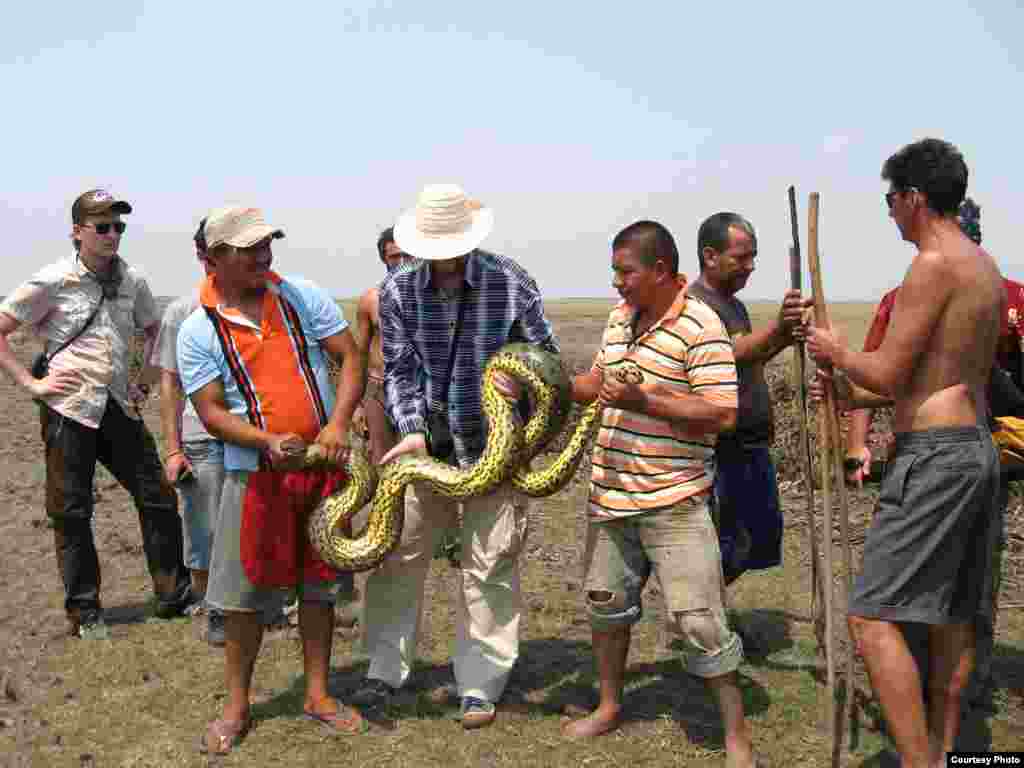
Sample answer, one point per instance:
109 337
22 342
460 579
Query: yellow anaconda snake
507 454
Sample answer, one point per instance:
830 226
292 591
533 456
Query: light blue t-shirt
201 358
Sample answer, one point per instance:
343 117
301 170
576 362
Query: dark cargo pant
127 449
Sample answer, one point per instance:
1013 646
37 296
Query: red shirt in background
1009 354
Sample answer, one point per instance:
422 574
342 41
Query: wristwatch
852 463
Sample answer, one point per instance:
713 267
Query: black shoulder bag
41 364
440 443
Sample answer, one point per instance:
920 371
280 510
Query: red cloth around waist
275 550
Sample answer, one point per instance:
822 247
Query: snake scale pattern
507 455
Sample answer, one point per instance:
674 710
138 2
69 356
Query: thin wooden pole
832 463
820 318
849 701
800 374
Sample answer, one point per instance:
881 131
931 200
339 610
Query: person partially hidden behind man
746 491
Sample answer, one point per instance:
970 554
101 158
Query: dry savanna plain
143 697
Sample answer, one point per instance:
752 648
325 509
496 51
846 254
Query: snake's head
629 372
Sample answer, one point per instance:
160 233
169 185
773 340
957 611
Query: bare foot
741 759
594 724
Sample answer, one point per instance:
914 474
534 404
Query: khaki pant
679 547
489 605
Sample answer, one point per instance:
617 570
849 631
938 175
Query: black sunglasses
104 228
890 196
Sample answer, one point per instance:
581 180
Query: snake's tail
554 477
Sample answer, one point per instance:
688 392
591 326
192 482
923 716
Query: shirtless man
374 411
926 557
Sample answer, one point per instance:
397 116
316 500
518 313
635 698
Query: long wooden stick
826 474
800 373
849 701
833 463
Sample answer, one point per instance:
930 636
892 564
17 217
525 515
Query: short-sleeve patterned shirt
642 462
56 302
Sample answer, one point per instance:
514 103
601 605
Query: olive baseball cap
95 202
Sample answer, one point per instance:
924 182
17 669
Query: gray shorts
229 587
928 553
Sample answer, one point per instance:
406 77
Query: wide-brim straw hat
444 224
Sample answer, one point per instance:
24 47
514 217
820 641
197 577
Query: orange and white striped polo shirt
641 462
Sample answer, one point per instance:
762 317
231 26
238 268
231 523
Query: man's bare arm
366 314
693 410
172 405
212 408
586 386
761 345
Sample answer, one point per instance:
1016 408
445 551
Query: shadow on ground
130 613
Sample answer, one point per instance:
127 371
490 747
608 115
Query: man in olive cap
88 309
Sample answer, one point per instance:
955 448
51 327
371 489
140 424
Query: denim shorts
200 501
679 546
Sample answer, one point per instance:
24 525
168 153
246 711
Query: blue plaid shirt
417 323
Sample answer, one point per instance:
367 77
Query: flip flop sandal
222 736
338 722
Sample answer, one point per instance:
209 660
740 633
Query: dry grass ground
143 697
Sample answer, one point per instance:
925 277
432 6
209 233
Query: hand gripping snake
507 454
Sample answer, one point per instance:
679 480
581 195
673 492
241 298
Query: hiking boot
372 694
215 628
476 713
92 627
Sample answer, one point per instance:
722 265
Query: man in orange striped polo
667 379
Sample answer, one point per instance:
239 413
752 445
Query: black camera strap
80 331
453 351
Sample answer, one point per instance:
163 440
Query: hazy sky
571 119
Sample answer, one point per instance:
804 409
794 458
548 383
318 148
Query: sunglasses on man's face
104 228
891 196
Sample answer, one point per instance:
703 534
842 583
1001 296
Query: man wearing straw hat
928 554
440 322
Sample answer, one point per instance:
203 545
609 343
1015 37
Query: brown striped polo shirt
641 462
